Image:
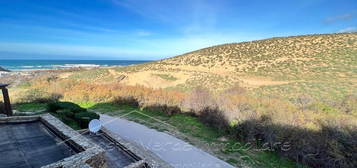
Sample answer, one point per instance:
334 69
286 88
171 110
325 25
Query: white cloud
71 50
189 25
143 33
187 16
348 30
144 48
344 17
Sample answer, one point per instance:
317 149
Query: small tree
349 104
198 99
303 101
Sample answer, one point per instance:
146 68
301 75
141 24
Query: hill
325 66
312 63
301 90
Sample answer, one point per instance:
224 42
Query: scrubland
294 96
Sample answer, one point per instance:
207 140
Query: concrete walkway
170 149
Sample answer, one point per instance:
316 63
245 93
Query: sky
157 29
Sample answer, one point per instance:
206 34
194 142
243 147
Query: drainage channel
116 155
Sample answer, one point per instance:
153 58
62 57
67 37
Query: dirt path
170 149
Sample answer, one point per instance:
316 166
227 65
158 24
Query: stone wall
89 153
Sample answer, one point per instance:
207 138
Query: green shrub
33 107
68 121
55 106
66 113
166 77
214 118
83 118
72 113
329 147
168 110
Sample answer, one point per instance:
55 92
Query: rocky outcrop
3 69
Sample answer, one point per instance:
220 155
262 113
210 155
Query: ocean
19 65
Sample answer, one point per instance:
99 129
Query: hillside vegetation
285 66
294 96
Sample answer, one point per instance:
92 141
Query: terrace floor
30 144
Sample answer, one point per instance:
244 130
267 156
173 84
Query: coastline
59 69
16 76
45 65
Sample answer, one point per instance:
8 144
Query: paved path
169 148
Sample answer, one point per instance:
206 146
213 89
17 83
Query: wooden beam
2 85
7 104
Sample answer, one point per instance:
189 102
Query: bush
129 101
72 114
169 110
214 118
83 118
39 96
329 147
198 99
258 119
55 106
349 104
66 113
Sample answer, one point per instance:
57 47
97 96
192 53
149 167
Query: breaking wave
60 66
15 65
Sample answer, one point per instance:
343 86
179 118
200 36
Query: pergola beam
7 104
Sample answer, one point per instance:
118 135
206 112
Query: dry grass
323 64
300 90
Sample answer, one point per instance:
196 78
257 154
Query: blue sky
156 29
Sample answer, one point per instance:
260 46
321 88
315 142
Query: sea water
18 65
